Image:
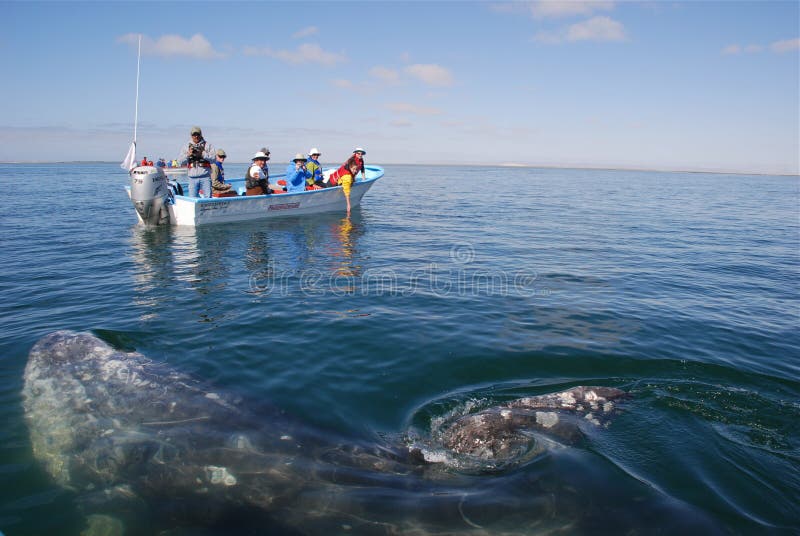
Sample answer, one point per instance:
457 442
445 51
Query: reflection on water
169 258
346 234
151 253
199 257
311 255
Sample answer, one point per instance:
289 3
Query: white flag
130 161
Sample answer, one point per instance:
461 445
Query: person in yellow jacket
313 166
344 177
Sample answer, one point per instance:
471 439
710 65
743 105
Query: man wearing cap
218 184
296 174
255 178
314 168
197 156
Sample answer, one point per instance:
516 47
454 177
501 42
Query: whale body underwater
144 446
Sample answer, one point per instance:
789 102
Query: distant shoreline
474 164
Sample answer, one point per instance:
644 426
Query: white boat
157 204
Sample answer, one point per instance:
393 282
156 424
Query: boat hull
203 211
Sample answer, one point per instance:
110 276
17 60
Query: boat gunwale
283 195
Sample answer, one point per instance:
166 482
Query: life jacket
253 182
333 180
316 171
358 160
221 176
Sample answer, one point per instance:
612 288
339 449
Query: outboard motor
150 194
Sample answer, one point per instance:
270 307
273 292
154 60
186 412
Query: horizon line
482 164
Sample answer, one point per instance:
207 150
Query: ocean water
449 290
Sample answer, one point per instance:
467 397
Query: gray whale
120 429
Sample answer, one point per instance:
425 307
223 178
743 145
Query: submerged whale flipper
117 428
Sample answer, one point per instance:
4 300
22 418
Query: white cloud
603 29
196 46
731 50
385 74
786 45
342 83
568 8
778 47
597 29
554 9
306 53
405 107
305 32
433 75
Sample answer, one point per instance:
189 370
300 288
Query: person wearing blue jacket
296 174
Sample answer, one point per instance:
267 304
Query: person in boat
161 163
219 187
358 158
313 166
265 167
198 157
256 179
344 177
297 174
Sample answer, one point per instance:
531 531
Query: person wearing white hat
256 180
297 174
313 166
358 159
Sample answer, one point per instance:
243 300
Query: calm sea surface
450 289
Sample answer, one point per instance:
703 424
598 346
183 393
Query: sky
690 85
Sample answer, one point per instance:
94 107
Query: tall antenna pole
136 114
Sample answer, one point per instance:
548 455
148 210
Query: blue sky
663 85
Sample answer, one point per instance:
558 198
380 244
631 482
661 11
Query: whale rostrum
119 428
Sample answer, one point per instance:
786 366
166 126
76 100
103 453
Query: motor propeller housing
150 195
